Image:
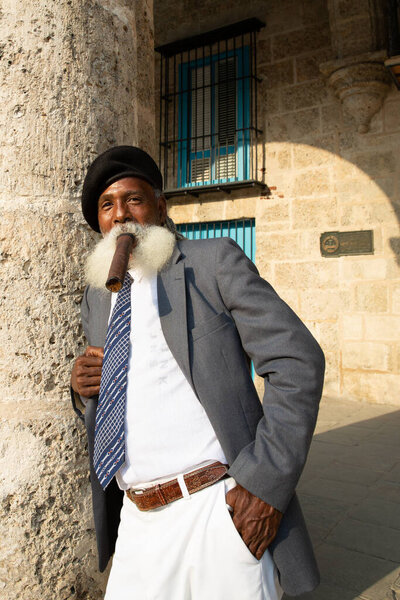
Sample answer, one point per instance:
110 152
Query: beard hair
155 245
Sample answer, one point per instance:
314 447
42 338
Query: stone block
332 381
273 227
395 293
268 101
312 182
305 275
293 126
271 210
317 214
359 189
305 155
391 119
382 327
278 157
367 267
307 66
363 216
396 359
296 42
182 213
376 163
264 51
355 35
312 326
278 246
328 333
392 263
315 12
304 95
285 16
310 244
377 388
331 117
277 74
266 267
387 185
343 169
366 355
291 298
324 304
371 297
349 8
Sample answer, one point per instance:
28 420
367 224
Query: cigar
116 275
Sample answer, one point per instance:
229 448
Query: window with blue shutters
208 111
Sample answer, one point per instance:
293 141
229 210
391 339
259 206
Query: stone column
358 75
76 78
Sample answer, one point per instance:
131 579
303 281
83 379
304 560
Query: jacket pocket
211 325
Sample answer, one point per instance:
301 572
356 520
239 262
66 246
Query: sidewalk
350 494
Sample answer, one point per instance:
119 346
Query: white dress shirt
167 430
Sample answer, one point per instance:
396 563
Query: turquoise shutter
214 117
243 231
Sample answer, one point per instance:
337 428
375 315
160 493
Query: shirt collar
137 275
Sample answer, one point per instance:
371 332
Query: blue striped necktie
109 437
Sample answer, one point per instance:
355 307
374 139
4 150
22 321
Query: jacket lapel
103 302
172 309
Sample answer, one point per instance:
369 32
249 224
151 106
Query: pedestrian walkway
350 493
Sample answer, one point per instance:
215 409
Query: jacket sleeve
292 364
78 402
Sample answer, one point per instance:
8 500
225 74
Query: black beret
114 164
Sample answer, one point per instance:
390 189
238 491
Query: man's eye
134 199
106 205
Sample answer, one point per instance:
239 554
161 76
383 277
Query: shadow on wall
357 172
350 494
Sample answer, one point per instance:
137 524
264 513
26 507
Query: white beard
152 252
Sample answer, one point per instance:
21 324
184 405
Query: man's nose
121 212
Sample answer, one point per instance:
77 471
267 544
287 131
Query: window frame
225 175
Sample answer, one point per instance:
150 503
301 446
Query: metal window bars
208 109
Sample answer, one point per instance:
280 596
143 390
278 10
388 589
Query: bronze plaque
342 243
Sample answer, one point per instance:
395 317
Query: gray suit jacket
216 313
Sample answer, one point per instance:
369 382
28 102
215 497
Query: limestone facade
78 77
324 175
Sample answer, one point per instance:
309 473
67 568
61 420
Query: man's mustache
154 248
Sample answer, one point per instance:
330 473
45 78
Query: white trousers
188 550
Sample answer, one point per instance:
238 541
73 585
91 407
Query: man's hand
256 521
86 372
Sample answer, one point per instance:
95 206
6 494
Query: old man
205 473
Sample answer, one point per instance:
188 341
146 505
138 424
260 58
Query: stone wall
323 176
75 79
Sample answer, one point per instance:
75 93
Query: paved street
350 493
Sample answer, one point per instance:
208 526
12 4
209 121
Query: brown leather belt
165 493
